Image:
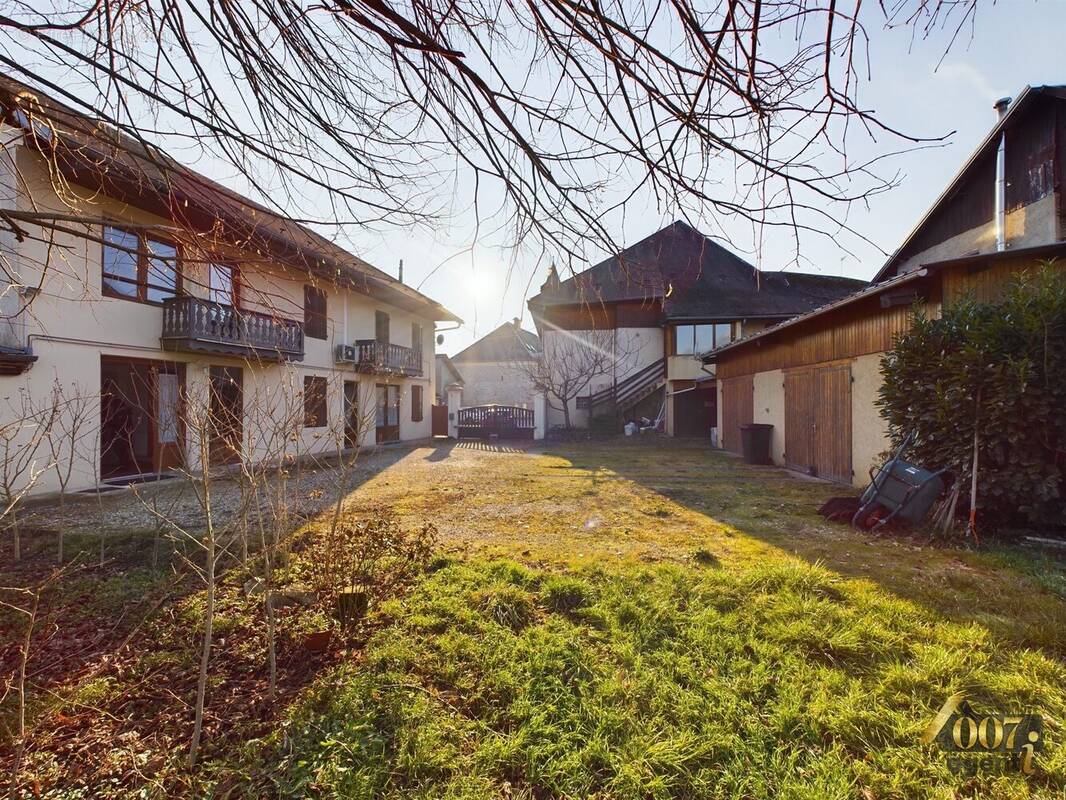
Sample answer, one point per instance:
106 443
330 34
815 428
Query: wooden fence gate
738 408
439 420
505 422
818 421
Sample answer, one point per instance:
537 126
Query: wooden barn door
738 408
799 429
832 423
818 421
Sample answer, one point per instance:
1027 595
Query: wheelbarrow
898 491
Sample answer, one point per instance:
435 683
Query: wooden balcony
381 358
193 325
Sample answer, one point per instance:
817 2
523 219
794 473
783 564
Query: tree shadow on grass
1016 594
113 657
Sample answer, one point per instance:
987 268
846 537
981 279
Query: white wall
495 382
869 431
633 349
769 409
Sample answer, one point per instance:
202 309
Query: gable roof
1024 100
93 153
509 342
443 363
695 277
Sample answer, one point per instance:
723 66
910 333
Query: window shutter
314 313
416 403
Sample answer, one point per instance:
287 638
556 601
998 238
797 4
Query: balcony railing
200 326
387 359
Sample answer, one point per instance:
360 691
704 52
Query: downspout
1001 107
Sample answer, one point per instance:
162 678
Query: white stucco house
495 368
156 296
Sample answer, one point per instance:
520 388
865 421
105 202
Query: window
416 403
416 337
704 338
723 333
139 267
685 339
695 339
315 313
314 402
388 406
381 327
222 284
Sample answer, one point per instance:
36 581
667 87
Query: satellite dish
440 338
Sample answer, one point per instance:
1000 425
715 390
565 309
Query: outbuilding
816 377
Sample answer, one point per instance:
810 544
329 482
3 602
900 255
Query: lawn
630 619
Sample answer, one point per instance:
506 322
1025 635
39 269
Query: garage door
738 409
818 421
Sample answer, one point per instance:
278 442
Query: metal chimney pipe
401 271
1001 107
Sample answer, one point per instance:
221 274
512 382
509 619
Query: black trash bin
755 443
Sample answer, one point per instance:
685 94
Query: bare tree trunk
209 609
16 541
62 523
268 589
24 659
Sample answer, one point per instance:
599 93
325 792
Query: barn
816 377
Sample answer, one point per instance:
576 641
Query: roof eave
872 290
1019 102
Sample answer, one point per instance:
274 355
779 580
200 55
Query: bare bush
357 564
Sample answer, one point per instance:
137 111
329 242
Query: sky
1013 43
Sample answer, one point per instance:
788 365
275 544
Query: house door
140 423
818 422
169 430
388 413
738 408
695 409
351 414
832 423
226 414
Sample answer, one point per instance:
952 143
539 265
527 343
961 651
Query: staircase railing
629 387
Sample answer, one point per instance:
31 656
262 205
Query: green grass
779 680
605 620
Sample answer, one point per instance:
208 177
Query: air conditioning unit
345 353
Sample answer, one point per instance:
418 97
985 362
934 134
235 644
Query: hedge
1002 367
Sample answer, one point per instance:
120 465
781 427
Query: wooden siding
738 408
856 330
596 315
985 284
1030 174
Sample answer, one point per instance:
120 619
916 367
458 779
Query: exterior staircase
629 391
